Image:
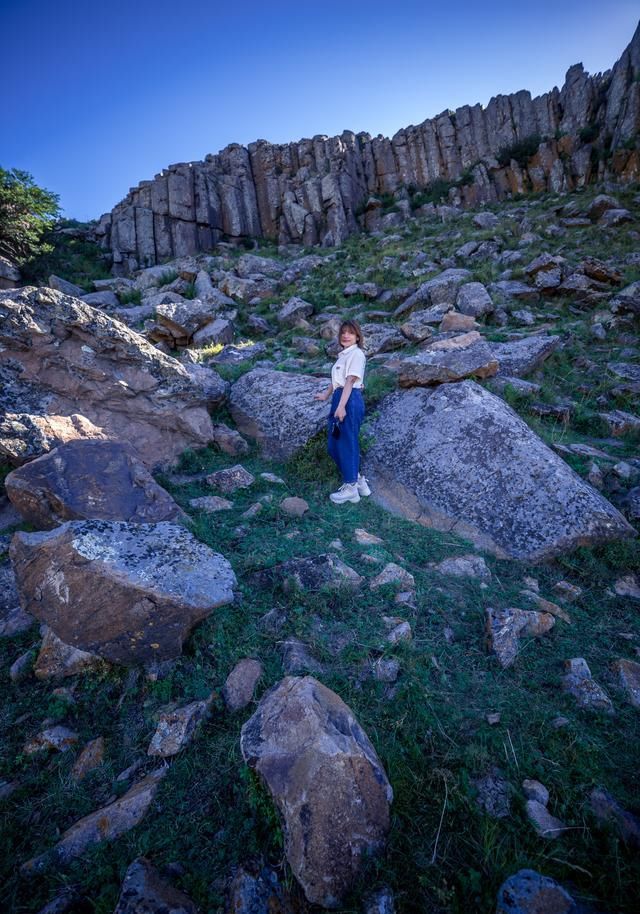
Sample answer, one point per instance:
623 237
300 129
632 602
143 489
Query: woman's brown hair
354 326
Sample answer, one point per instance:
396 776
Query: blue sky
97 97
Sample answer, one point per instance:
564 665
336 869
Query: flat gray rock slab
278 410
326 781
130 593
522 357
81 480
441 363
457 458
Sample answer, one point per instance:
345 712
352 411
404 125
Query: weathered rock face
70 371
522 357
128 592
278 410
309 574
527 892
310 191
326 780
458 458
463 356
81 480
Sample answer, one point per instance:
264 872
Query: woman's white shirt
351 361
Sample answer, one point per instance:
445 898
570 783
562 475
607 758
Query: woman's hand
321 397
340 413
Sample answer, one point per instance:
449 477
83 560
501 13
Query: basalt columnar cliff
321 190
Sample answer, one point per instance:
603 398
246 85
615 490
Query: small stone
544 823
144 892
595 477
336 544
210 504
294 507
386 670
608 811
176 728
559 722
57 659
393 574
465 566
628 675
271 477
405 598
229 440
527 892
58 739
241 683
257 891
397 629
380 902
534 790
364 538
532 584
623 470
7 788
231 479
252 511
21 668
628 586
547 606
296 658
494 794
449 636
579 683
89 759
505 627
569 592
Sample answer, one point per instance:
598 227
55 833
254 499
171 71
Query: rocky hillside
223 693
321 190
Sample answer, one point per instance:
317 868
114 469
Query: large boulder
457 458
130 593
278 410
70 371
81 480
326 781
144 891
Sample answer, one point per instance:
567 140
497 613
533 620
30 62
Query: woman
347 413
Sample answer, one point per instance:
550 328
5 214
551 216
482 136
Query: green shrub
26 213
521 150
589 133
130 297
190 291
168 276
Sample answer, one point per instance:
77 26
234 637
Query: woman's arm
341 410
327 393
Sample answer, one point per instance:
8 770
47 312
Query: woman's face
347 337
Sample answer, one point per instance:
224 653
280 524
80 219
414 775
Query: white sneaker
347 492
363 486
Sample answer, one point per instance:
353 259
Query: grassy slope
430 731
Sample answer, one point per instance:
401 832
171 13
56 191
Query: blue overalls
345 450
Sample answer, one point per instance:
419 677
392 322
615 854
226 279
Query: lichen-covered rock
230 479
521 357
580 684
145 892
89 759
326 781
628 676
528 892
130 593
70 371
176 728
81 480
278 410
608 811
458 458
505 627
